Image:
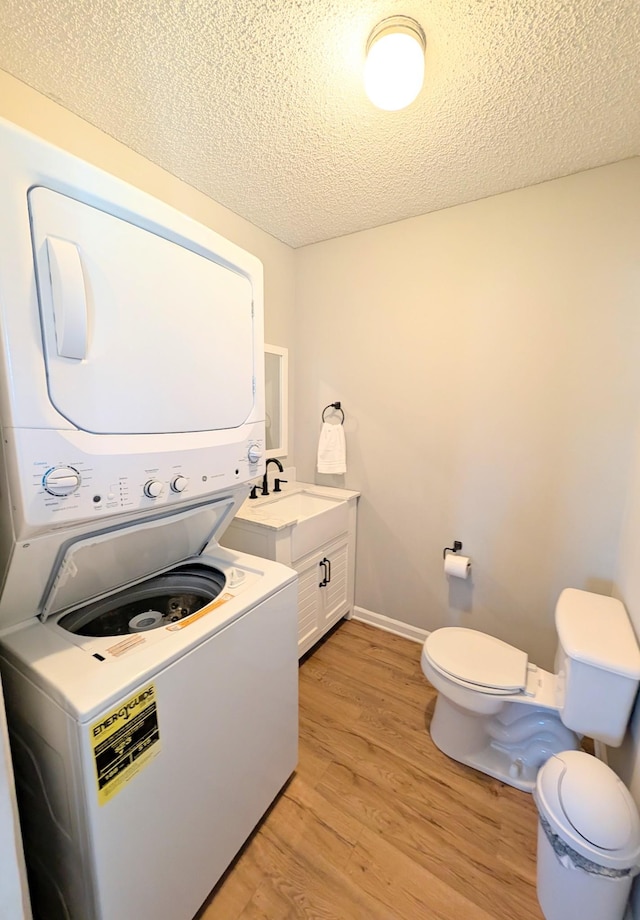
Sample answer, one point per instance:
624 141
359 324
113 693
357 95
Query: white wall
487 360
626 759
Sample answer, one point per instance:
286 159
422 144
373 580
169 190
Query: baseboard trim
397 627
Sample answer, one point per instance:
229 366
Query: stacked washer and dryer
150 676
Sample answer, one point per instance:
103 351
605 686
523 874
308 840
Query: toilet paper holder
457 545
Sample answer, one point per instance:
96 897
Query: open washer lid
89 567
476 658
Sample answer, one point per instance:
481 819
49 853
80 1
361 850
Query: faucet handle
254 492
276 484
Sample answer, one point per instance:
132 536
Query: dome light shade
394 69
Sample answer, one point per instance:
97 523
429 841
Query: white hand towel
332 449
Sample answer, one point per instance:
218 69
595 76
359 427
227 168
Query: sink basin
314 518
299 505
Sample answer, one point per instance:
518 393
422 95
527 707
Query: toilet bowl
503 715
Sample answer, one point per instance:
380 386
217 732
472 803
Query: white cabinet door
333 594
308 605
323 592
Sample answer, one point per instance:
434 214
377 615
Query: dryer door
141 334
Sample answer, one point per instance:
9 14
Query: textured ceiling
259 103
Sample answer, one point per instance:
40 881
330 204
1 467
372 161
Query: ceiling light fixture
394 68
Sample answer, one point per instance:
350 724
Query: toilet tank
598 662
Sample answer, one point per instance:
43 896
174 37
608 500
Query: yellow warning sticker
124 741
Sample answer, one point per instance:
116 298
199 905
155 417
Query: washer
144 760
150 676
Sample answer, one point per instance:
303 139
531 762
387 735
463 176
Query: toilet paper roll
457 566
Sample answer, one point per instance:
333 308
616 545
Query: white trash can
588 839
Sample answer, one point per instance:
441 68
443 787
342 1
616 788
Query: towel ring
337 407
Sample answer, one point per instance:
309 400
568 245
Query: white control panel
64 485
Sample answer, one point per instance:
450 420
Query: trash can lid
589 807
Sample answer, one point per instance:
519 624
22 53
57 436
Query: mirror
276 399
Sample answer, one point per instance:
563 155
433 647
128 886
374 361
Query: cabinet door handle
328 561
325 580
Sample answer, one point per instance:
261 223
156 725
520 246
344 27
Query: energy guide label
124 741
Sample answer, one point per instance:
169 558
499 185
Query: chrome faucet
276 488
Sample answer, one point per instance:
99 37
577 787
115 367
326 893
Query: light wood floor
376 823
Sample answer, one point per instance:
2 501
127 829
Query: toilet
503 715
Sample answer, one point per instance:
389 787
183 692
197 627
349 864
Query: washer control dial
153 488
61 480
179 484
254 453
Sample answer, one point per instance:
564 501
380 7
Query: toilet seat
476 660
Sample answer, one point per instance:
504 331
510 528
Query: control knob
61 480
153 488
179 484
254 453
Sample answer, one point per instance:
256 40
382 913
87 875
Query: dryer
150 676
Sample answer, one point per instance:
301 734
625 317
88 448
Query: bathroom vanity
312 529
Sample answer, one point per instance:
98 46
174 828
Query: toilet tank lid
596 630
